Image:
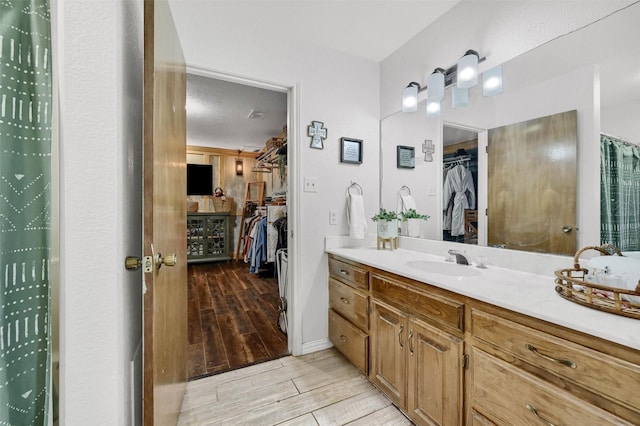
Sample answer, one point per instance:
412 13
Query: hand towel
357 221
408 202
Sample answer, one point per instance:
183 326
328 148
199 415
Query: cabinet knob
344 300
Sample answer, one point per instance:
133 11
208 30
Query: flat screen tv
199 179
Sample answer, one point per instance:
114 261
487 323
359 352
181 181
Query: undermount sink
444 268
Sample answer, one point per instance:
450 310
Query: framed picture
406 157
350 151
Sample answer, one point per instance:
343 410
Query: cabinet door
435 375
388 352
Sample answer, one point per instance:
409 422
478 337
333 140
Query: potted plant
413 219
387 223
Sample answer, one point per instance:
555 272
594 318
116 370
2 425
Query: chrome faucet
460 258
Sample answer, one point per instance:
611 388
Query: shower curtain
25 194
619 193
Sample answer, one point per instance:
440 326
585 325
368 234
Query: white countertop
522 292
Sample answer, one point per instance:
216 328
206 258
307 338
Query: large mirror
594 71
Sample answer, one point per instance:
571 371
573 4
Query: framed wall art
350 151
406 157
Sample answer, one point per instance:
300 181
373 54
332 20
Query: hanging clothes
458 191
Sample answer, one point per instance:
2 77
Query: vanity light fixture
492 81
468 70
433 107
410 97
435 83
460 77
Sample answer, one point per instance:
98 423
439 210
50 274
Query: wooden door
532 185
388 347
164 207
435 386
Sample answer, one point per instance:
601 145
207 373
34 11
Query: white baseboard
315 346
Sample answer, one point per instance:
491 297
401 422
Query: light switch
310 184
432 191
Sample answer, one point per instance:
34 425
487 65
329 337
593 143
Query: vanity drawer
351 342
510 396
349 274
350 303
593 370
428 306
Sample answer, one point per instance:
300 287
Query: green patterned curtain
25 198
619 193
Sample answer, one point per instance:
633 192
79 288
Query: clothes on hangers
458 194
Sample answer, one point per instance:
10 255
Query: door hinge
486 212
465 361
486 149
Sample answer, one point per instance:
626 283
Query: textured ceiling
218 114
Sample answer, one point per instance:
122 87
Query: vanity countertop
522 292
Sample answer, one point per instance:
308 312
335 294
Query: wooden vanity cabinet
524 371
446 359
414 360
349 311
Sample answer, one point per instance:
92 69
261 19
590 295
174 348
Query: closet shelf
267 158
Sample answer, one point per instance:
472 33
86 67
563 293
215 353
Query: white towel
357 221
626 268
408 202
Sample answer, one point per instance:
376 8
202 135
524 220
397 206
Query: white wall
332 87
622 121
98 59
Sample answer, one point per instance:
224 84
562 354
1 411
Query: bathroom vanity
452 344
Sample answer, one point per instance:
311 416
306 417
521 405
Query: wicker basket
222 204
570 284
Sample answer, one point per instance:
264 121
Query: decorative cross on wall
428 149
317 133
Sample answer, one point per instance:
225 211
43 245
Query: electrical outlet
333 217
310 184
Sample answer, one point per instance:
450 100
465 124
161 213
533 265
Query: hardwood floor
321 388
232 318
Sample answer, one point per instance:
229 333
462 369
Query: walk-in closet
237 162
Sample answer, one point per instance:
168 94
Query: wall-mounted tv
199 179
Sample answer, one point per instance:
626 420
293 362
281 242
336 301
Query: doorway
236 308
460 184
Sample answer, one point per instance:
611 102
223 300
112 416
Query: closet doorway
460 184
237 289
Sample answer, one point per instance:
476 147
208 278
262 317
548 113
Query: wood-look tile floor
232 318
321 388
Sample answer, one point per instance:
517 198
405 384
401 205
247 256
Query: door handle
567 229
169 260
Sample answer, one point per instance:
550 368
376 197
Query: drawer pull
400 336
343 272
411 342
534 411
343 338
345 300
566 362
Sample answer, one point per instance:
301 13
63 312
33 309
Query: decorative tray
571 284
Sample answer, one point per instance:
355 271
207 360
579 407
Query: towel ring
405 187
356 186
